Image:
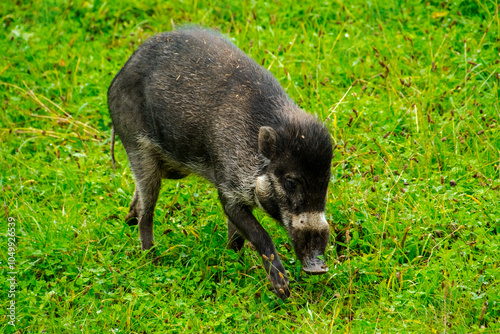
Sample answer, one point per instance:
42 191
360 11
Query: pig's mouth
314 266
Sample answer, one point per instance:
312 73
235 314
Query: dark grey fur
191 101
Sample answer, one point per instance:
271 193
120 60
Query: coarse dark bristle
309 143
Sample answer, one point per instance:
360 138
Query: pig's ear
267 141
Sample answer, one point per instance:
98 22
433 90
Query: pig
189 101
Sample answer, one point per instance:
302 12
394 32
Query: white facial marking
262 189
309 220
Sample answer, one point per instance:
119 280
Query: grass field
410 93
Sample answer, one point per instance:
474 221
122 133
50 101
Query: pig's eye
290 184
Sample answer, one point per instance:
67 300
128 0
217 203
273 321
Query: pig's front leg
243 219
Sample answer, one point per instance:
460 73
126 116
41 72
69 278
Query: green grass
413 201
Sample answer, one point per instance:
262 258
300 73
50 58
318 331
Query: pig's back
200 94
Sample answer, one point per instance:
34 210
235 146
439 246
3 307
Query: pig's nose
315 266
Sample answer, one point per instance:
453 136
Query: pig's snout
310 233
314 266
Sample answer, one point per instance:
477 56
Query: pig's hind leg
147 171
134 213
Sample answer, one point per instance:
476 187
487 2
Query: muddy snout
310 234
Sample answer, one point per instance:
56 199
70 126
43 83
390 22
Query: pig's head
293 186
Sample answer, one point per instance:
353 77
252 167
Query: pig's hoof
131 220
236 244
280 285
315 266
151 254
283 292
